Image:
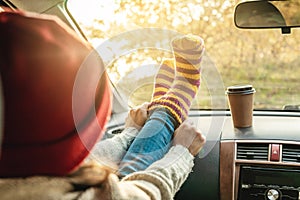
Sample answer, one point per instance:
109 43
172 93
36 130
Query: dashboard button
272 194
275 152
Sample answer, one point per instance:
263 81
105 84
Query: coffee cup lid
240 89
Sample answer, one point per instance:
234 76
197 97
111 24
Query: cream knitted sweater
160 181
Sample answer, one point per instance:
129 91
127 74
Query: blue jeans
151 144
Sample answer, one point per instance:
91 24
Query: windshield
266 59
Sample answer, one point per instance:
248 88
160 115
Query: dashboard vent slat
252 151
291 153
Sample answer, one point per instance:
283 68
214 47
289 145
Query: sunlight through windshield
265 59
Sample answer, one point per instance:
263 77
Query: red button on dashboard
275 152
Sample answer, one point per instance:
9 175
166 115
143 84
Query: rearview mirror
268 14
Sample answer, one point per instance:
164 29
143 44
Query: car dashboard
259 162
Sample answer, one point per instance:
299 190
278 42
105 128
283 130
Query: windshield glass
266 59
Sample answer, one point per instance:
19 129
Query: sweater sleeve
163 179
111 150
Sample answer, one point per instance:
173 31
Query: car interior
257 45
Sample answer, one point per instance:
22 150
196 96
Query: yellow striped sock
188 51
164 78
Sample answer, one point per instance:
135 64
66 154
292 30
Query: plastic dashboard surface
269 127
213 175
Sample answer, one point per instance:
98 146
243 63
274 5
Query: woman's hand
137 117
188 136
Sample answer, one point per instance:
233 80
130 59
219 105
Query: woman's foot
164 78
188 52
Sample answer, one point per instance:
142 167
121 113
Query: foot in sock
188 51
164 78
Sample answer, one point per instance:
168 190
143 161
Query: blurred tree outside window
266 59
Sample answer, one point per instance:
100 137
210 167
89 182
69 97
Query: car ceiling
34 5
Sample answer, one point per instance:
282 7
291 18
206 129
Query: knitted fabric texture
188 52
164 78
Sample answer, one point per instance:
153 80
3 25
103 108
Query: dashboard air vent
252 151
291 153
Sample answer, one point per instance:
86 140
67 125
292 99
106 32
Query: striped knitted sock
188 51
164 78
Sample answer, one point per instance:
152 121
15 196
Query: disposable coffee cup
241 99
